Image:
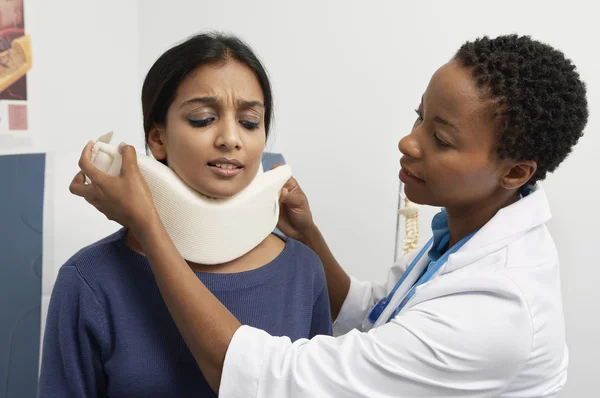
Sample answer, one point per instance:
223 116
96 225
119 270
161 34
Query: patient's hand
124 198
295 217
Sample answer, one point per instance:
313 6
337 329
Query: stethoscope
432 269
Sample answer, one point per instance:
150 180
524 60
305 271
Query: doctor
476 313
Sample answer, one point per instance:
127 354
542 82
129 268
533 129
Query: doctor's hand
295 217
124 198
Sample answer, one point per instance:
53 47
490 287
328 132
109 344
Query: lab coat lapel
506 226
402 291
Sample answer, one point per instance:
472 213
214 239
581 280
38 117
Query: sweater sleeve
321 318
74 341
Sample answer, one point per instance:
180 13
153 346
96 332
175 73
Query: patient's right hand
295 217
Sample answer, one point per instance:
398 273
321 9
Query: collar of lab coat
507 225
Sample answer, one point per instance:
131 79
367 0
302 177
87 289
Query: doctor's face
449 158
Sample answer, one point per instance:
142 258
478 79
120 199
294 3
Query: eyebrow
250 104
200 100
213 100
441 120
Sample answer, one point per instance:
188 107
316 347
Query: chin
222 190
420 198
215 194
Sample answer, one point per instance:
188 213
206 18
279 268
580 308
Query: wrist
309 235
146 225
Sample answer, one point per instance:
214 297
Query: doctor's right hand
125 198
295 217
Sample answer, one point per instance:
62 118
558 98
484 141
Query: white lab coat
488 324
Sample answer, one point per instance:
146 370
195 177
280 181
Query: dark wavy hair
171 68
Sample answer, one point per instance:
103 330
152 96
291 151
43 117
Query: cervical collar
205 230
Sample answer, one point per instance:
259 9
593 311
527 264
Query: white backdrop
347 76
84 82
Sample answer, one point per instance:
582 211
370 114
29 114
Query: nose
409 145
228 136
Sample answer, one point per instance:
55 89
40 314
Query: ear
518 174
157 142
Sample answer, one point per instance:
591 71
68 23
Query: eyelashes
419 116
439 142
199 123
249 125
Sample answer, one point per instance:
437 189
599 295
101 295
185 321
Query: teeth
225 166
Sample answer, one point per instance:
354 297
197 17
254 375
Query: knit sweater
109 333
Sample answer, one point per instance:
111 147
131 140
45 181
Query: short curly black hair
541 98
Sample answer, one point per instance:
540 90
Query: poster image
15 62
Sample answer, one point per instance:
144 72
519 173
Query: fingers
79 187
86 165
294 196
79 178
88 192
277 165
130 164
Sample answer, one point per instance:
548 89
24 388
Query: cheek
254 146
186 142
186 152
472 177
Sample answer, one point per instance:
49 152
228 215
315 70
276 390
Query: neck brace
205 230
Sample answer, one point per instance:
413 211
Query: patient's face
214 134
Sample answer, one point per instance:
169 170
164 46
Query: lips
408 172
407 176
225 167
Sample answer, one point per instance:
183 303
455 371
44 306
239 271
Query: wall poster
15 62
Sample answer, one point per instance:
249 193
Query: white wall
83 83
347 76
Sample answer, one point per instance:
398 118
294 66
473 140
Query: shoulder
303 263
99 250
534 248
298 253
90 263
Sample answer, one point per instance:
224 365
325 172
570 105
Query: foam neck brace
205 230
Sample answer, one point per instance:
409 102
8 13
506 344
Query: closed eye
201 122
441 142
249 125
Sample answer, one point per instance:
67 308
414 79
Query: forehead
230 79
452 93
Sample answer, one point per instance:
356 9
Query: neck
463 220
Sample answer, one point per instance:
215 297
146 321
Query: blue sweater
109 333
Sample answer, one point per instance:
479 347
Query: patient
207 107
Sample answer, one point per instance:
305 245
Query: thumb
283 195
291 184
129 155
